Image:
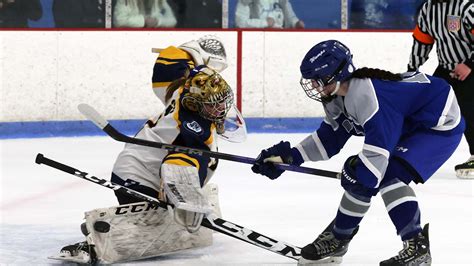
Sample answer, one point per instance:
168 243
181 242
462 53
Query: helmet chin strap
338 85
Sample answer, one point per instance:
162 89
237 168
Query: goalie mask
327 62
207 50
208 94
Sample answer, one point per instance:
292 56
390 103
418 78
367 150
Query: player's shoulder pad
362 91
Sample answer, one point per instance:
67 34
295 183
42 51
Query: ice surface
41 208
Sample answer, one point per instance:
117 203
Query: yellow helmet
208 94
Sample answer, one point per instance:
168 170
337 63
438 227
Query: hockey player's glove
278 153
351 183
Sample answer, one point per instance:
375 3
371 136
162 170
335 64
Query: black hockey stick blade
214 223
90 113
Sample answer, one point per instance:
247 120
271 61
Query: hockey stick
91 114
212 222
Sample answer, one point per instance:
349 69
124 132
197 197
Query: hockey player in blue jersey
412 125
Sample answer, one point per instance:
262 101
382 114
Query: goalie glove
183 190
208 51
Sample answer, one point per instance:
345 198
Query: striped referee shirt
451 24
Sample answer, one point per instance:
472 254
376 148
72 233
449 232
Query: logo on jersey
453 23
193 126
350 125
401 149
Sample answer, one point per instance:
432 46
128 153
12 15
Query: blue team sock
406 218
351 211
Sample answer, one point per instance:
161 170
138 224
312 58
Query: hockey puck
101 226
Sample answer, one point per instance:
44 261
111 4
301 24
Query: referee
450 23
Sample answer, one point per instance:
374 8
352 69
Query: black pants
124 198
464 91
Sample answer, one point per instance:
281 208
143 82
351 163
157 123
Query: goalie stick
91 114
212 222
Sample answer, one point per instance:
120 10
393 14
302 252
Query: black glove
351 183
283 149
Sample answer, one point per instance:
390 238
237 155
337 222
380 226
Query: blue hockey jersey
384 112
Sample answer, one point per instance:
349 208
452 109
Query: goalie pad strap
126 198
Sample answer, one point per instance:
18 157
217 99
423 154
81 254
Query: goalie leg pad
139 231
211 191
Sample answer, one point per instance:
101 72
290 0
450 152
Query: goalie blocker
183 190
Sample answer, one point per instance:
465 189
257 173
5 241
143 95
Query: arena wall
46 74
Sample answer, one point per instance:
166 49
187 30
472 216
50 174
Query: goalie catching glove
278 153
208 50
182 189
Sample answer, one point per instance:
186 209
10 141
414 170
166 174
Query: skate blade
68 259
425 264
465 173
325 261
83 259
425 260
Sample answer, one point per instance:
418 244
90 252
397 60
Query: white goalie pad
183 190
139 230
211 191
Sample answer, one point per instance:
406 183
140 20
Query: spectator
186 10
383 14
79 14
15 13
266 14
143 13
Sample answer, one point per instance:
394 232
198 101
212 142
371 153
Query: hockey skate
465 170
80 252
416 251
326 249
